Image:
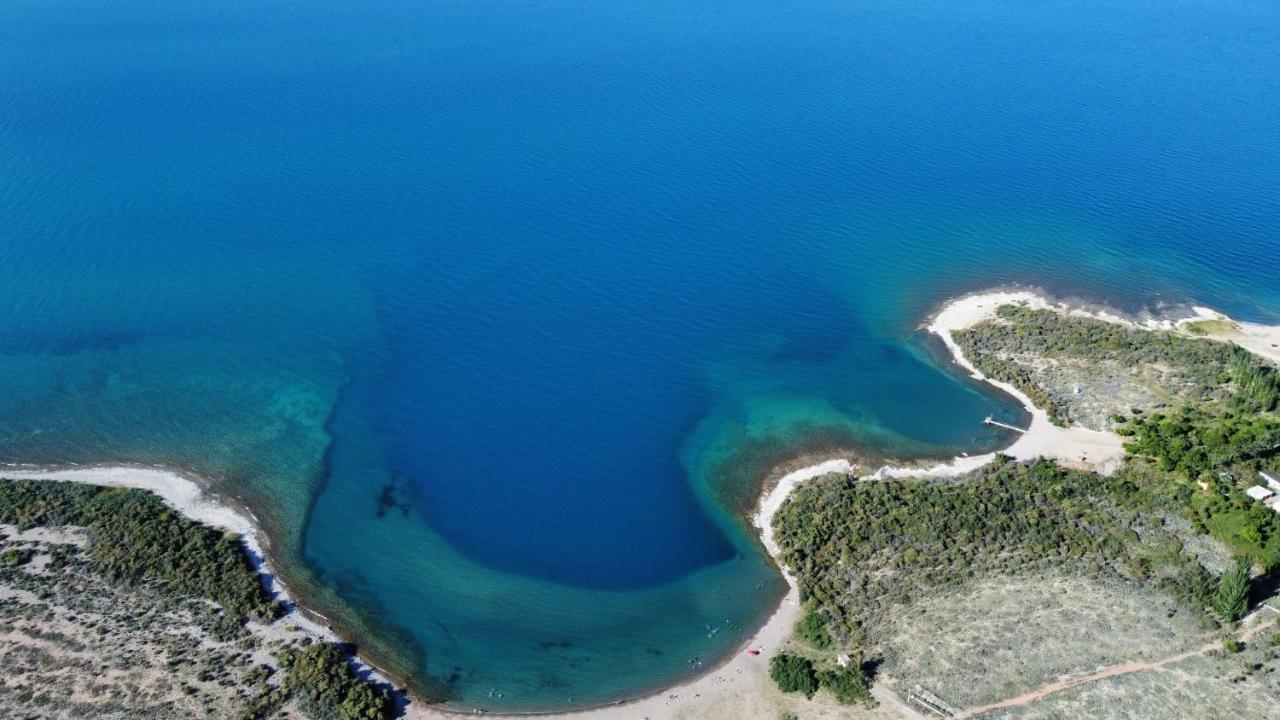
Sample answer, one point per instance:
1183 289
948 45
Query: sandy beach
1071 446
1261 340
740 687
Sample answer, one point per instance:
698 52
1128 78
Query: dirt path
1111 671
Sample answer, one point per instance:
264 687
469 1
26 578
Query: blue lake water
496 312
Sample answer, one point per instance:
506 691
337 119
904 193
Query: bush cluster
1204 369
812 629
858 548
133 536
321 679
793 674
796 674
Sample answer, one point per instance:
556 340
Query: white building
1270 479
1266 495
1259 493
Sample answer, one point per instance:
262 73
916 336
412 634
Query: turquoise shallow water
495 313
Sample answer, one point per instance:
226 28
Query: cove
496 315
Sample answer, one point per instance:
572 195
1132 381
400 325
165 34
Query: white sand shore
1261 340
1073 446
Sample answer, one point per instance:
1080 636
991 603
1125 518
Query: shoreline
747 676
180 490
1102 452
1070 446
183 493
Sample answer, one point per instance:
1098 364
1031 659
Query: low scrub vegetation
812 629
134 536
849 684
859 548
1215 426
794 674
1191 369
321 680
144 579
1207 455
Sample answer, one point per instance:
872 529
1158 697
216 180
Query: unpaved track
1108 672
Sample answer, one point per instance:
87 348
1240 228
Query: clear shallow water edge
496 315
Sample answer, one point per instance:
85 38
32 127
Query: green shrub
793 673
848 684
320 677
812 628
15 557
1232 599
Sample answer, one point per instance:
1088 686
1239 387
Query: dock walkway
997 423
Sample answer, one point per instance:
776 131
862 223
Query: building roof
1257 492
1272 479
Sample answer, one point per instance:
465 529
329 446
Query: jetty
930 702
992 421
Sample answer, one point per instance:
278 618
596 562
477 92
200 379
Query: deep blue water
529 289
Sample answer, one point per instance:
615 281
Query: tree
793 673
812 628
1232 599
848 684
326 688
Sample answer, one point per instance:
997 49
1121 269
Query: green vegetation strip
326 689
1206 370
134 537
861 548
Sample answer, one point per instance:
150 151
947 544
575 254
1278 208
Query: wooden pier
1006 426
931 702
